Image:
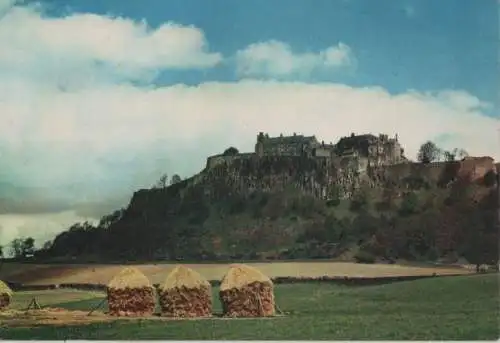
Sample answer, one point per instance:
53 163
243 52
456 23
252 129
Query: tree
409 204
334 228
428 152
363 226
16 247
387 202
107 220
360 199
1 252
333 196
452 155
231 151
162 182
47 245
490 178
175 179
28 246
481 248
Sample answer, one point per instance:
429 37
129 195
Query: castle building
377 150
296 145
363 150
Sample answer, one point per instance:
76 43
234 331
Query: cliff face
312 176
319 177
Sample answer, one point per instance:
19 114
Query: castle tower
259 146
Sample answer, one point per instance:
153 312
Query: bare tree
162 182
462 153
452 155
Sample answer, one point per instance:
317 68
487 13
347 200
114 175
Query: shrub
333 202
307 206
364 257
232 151
409 205
360 200
490 179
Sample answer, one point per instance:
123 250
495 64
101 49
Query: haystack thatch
5 295
185 293
246 292
130 294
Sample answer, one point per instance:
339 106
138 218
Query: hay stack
130 294
5 295
246 292
185 294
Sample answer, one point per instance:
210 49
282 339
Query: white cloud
100 143
82 47
274 58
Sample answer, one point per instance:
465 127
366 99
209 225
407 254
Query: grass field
81 273
461 307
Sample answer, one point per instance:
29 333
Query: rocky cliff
318 177
245 204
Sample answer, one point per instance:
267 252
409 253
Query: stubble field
33 274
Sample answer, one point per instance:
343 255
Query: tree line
19 248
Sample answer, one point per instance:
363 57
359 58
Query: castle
366 150
324 170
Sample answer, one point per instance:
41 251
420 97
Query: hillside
305 200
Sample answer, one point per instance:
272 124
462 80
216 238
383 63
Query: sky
99 98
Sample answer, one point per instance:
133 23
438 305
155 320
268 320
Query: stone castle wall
475 168
220 159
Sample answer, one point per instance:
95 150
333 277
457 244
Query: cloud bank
77 137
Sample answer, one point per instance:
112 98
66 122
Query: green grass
53 298
459 308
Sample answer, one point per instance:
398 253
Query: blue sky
99 98
405 44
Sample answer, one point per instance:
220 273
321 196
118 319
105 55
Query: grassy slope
432 309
